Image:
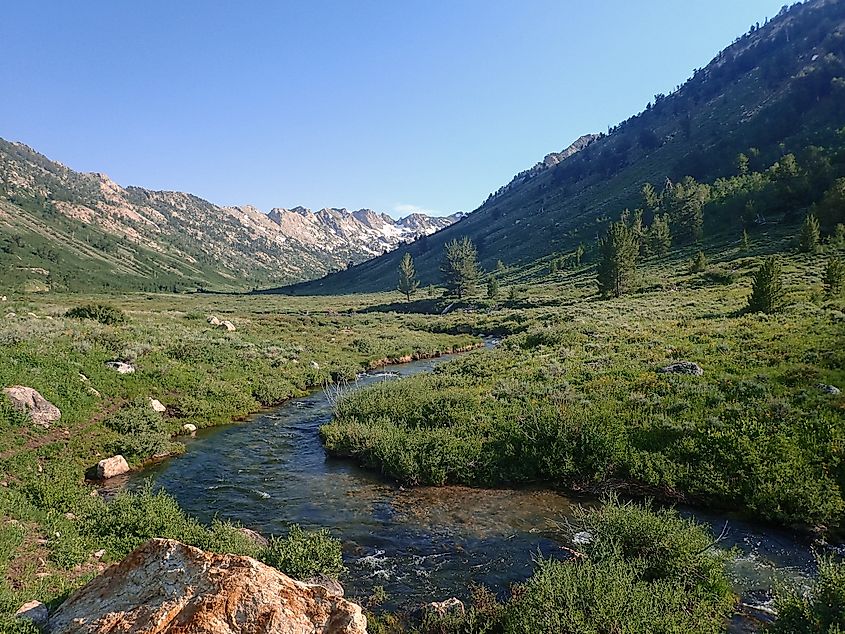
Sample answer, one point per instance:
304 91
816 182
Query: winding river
421 544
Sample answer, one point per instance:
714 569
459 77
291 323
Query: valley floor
573 397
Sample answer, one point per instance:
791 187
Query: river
420 544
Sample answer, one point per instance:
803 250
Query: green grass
574 398
50 525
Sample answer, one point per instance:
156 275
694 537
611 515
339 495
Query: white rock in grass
120 367
683 367
213 320
227 325
157 405
40 410
829 389
111 467
189 428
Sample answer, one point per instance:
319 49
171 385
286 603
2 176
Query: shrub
767 294
142 432
820 612
808 239
699 263
834 277
108 315
303 554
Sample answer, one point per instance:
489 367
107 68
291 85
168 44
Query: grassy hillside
777 90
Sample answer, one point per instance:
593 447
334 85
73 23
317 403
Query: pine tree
460 267
742 164
659 236
838 238
651 201
408 282
500 267
618 252
745 245
834 276
579 254
767 287
553 265
699 263
808 239
492 287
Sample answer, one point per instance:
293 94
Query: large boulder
111 467
227 326
166 586
40 410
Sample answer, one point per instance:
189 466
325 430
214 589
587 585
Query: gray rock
157 405
34 611
120 367
111 467
213 320
40 410
258 539
189 428
829 389
682 367
331 585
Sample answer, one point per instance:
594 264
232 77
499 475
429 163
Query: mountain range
62 229
778 89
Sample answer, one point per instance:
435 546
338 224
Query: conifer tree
767 292
808 239
834 276
579 254
492 287
699 263
460 267
745 245
659 236
618 252
838 238
408 282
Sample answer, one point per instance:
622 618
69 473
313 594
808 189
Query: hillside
777 89
64 230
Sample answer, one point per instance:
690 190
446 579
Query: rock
331 585
157 406
683 367
213 320
829 389
83 378
227 325
99 554
11 315
120 367
111 467
189 428
257 538
166 586
442 609
3 298
34 611
40 410
315 365
582 538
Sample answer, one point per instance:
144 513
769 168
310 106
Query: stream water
421 544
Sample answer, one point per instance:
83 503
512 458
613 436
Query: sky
396 106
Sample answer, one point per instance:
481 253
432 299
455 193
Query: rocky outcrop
683 367
111 467
40 410
166 586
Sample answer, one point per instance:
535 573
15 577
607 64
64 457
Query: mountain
354 235
778 89
63 229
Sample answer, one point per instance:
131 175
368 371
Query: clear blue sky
391 105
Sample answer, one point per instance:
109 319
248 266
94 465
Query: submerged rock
166 586
34 611
40 410
683 367
111 467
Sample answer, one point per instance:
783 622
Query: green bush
820 612
142 432
107 315
304 554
